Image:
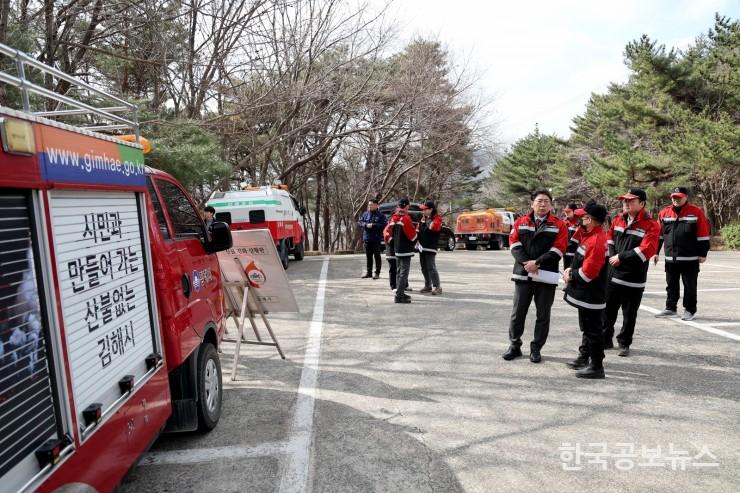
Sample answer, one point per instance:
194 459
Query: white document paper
545 276
419 247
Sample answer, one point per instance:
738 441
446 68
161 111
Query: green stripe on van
244 202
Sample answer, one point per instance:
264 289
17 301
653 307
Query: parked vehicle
489 228
268 207
446 236
111 309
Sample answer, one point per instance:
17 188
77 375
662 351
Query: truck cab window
162 222
185 219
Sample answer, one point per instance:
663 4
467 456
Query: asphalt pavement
382 397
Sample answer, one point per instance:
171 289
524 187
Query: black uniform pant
392 271
543 295
402 275
592 340
428 262
372 252
628 299
675 272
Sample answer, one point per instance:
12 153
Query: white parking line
297 464
704 327
708 290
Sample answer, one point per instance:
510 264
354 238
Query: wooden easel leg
261 311
240 334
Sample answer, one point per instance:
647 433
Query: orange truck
489 228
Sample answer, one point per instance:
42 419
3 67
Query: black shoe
377 275
608 344
535 356
408 289
367 275
623 350
405 299
511 353
580 362
591 371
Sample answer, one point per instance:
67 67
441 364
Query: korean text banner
74 158
257 257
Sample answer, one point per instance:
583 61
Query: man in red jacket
685 235
537 241
586 280
404 242
633 240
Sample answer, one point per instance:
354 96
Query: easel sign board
256 251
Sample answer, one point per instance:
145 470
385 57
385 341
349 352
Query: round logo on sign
196 281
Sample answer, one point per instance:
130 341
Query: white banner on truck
103 290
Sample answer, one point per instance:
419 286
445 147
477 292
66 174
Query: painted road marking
705 327
294 477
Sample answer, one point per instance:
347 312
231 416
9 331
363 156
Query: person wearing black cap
633 240
537 242
685 235
404 238
430 226
585 283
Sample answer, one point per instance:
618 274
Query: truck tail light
152 360
49 452
126 384
92 413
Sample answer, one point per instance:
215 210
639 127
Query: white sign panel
102 282
256 251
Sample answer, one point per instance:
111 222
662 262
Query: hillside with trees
676 121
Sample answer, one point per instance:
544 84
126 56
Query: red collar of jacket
687 209
550 219
573 221
585 235
641 216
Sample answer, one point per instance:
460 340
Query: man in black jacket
537 241
372 223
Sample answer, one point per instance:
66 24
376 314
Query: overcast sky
540 60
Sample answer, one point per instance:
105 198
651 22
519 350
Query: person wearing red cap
633 240
537 242
429 228
685 236
585 283
573 222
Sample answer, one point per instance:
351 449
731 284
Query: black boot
511 353
580 362
591 371
366 275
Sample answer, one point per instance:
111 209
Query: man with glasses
632 240
537 241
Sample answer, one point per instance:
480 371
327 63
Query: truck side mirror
220 237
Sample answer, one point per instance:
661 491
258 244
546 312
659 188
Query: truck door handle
186 285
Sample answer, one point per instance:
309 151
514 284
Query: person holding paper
633 240
537 242
585 285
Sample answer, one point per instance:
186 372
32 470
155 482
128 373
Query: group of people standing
402 239
605 269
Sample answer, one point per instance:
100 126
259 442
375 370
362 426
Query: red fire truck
111 312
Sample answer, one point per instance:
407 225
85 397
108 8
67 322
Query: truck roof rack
108 117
